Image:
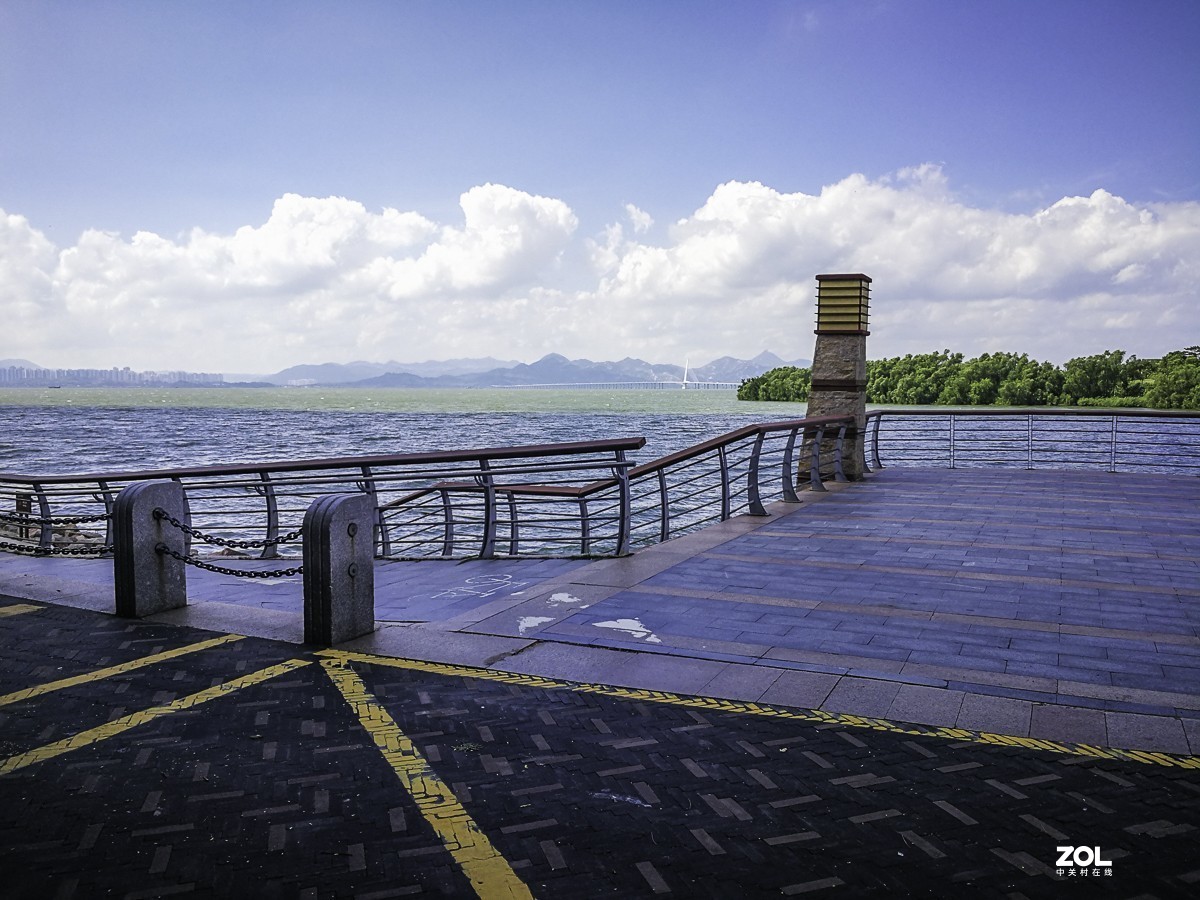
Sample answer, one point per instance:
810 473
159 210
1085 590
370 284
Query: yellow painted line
490 874
119 726
816 716
87 677
17 608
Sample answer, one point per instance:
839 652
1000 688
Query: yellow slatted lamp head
842 304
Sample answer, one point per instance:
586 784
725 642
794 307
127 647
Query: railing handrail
526 451
594 475
732 437
1102 438
1094 411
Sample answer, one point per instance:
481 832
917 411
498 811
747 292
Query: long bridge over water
629 386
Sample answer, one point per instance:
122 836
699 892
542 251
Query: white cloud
327 279
639 219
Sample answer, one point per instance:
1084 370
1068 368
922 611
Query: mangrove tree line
1009 379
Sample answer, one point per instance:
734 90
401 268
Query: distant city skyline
230 187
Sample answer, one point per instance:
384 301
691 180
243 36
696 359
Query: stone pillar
339 569
145 580
839 370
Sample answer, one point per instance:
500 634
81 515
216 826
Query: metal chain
30 519
238 573
226 542
91 550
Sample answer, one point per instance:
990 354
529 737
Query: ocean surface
75 430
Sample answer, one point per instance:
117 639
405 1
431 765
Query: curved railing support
814 466
753 495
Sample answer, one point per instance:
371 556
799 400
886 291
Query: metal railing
568 499
1152 441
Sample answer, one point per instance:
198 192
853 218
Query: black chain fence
26 522
30 519
227 542
225 570
200 536
89 550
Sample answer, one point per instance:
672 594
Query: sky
240 187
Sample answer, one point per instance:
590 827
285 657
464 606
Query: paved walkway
921 683
1051 605
145 760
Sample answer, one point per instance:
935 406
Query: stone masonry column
839 370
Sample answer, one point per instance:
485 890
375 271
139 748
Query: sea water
75 430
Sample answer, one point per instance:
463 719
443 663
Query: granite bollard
339 569
147 581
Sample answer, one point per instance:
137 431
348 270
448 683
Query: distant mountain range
551 369
488 372
351 373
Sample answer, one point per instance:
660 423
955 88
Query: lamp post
839 370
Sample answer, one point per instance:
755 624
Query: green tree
1175 383
1100 376
787 384
1008 379
912 380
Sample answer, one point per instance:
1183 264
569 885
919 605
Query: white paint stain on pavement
563 599
526 622
632 627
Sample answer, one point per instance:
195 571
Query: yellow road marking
818 716
17 608
490 874
37 690
118 726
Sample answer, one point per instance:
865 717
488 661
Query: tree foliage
1009 379
786 383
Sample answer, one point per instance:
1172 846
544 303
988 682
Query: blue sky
931 144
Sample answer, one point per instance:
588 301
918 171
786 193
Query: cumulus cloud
327 279
1082 275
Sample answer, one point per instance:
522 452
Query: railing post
147 580
788 475
1029 458
383 537
1112 447
723 457
876 420
839 473
664 506
753 497
448 524
625 501
514 526
267 492
585 530
814 466
23 506
339 569
106 497
952 440
487 547
46 536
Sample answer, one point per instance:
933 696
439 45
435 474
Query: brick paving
909 686
276 788
1044 604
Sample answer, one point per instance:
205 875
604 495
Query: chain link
226 542
238 573
30 519
96 550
